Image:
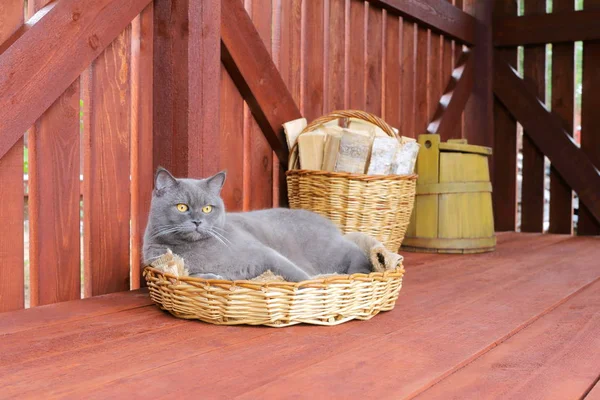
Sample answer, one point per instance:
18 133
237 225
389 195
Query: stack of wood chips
361 148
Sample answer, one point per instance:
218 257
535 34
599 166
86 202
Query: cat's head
186 209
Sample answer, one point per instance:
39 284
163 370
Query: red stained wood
435 73
373 67
142 165
54 191
11 195
392 79
59 314
558 27
247 61
259 173
407 90
232 147
563 81
478 116
547 133
186 96
447 118
355 56
483 300
421 81
312 60
504 175
590 127
81 30
335 81
54 202
532 192
552 357
438 15
107 124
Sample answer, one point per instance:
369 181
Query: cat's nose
197 222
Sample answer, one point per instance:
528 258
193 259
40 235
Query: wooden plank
594 393
308 354
478 115
563 81
164 332
447 118
504 173
106 207
355 56
407 91
558 27
450 342
81 30
552 357
11 195
256 76
434 74
373 66
532 191
62 313
142 168
392 78
438 15
421 72
335 81
54 324
312 60
232 143
590 127
448 66
258 153
54 160
286 53
547 134
186 98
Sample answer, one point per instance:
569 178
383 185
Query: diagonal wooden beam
452 103
250 65
439 15
547 134
38 67
570 26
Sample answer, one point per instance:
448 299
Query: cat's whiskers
220 235
213 234
166 231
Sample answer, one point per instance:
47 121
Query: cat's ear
215 183
163 179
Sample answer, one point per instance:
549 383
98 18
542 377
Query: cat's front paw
206 276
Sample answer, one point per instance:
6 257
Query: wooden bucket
453 207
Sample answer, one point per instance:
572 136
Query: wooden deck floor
520 323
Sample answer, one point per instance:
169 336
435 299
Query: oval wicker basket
378 205
327 301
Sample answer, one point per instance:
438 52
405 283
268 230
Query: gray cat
188 216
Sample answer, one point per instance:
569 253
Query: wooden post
504 166
187 67
479 110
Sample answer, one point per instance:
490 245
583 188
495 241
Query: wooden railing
121 87
546 133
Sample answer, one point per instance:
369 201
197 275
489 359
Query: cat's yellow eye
182 207
206 209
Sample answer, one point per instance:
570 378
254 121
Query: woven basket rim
312 283
362 177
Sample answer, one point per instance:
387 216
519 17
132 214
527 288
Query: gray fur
295 244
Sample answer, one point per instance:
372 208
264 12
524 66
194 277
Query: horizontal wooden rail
252 69
447 117
439 15
547 28
38 67
548 135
